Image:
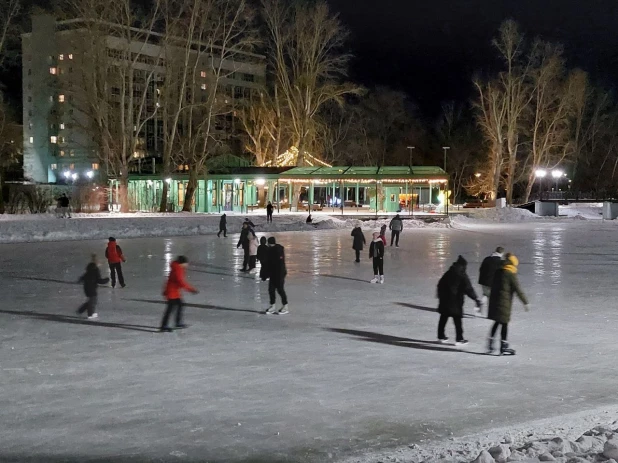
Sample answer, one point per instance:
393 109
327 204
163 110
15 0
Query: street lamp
477 175
90 174
445 148
411 148
557 173
540 173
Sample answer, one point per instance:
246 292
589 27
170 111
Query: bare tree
120 73
9 9
10 145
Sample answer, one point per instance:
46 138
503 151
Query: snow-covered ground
352 374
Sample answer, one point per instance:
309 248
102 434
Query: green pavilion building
337 188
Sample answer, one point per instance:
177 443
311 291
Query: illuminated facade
242 189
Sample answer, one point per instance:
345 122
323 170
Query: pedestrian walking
359 242
276 271
223 226
262 256
65 205
505 285
253 247
376 252
489 267
244 241
91 280
269 212
176 282
396 227
115 258
452 288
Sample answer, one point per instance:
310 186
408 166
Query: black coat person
269 212
489 267
91 281
276 271
244 242
359 241
452 288
223 226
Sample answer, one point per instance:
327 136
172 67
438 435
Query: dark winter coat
452 288
223 222
505 284
376 249
489 267
275 267
359 239
244 238
396 224
92 279
269 209
63 201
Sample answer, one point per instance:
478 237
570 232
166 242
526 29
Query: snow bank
592 211
46 227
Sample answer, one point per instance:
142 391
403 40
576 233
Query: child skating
376 252
91 280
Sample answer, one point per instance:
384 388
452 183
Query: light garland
363 181
290 158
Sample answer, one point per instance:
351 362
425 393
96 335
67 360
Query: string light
290 158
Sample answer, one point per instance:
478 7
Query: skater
383 234
359 242
309 219
253 248
376 252
262 256
223 226
396 226
114 256
276 272
244 241
505 284
173 288
91 280
269 212
452 288
489 267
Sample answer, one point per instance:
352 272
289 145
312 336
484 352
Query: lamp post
541 174
411 149
445 148
557 173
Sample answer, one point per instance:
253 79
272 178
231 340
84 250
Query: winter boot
505 350
381 279
376 279
490 345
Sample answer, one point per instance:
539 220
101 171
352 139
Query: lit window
203 86
72 153
62 126
54 166
61 57
203 74
70 55
71 166
53 70
61 98
53 139
62 153
95 166
31 139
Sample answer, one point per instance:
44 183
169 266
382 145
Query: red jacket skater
176 282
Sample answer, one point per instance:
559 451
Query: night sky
431 48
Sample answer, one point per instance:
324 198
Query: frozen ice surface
354 368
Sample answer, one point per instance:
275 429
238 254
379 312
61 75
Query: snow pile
591 211
504 215
46 227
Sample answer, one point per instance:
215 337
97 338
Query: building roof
370 172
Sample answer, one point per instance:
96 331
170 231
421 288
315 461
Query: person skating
173 293
253 248
488 269
396 226
262 256
376 252
359 241
243 241
114 256
91 280
504 285
452 288
223 226
269 212
276 272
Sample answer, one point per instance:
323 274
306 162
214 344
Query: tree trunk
529 188
164 193
1 192
497 170
123 192
190 191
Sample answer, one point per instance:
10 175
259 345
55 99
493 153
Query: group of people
498 279
377 246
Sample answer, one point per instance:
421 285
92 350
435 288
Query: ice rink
353 368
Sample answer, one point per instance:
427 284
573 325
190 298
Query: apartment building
58 144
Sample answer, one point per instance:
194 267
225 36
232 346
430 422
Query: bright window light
53 139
